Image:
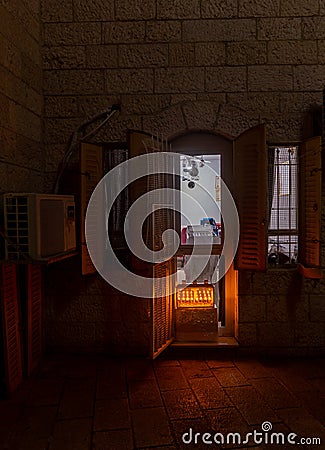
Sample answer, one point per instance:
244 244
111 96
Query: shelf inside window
46 261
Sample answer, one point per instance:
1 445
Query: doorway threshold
221 342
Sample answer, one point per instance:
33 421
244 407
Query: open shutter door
91 159
161 309
34 317
162 302
137 142
250 170
10 326
310 206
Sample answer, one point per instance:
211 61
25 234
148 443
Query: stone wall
85 314
175 66
21 148
281 313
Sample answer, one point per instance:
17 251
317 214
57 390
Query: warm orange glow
195 296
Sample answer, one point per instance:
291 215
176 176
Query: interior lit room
162 224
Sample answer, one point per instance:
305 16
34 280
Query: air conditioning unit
38 226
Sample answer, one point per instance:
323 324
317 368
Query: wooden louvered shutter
310 205
137 146
250 170
91 159
141 143
11 327
161 309
34 317
162 302
162 219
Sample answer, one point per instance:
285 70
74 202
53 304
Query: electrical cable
74 140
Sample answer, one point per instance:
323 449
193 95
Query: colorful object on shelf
211 221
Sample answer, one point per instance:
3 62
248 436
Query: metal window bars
283 205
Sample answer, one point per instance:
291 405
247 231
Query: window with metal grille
283 205
113 155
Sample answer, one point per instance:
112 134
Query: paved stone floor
97 403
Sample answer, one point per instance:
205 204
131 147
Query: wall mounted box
38 226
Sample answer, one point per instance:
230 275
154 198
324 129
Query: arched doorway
206 151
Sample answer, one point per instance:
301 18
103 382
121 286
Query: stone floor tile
144 394
74 366
230 376
215 363
78 398
301 422
72 430
53 366
139 369
170 378
184 426
112 367
9 413
181 404
168 447
209 393
111 386
28 420
81 384
161 362
19 397
44 392
61 444
294 381
318 384
290 377
36 422
111 414
251 405
6 437
29 444
113 440
81 366
271 440
75 407
314 402
195 369
275 393
227 420
151 427
309 369
252 368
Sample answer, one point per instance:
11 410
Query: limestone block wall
177 66
281 313
21 97
85 314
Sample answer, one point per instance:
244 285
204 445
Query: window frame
205 143
278 232
251 163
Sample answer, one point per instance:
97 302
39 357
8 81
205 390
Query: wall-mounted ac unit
38 226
